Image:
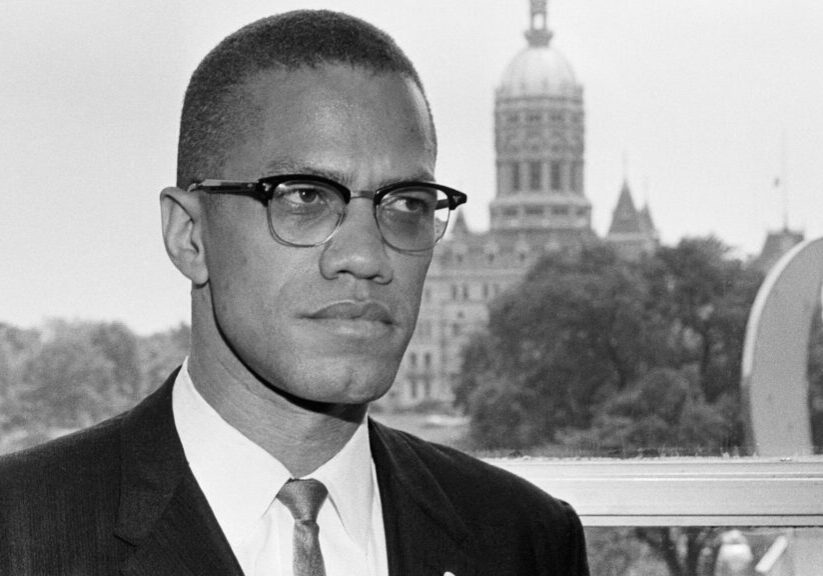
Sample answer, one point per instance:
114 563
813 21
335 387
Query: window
556 180
456 329
560 210
413 360
535 175
534 211
510 212
465 291
427 360
515 172
576 175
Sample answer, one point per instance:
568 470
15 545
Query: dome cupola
538 69
539 126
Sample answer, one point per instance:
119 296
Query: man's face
328 323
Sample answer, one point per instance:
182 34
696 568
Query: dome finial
538 33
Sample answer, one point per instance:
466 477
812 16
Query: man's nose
357 248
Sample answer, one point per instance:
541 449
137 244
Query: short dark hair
211 118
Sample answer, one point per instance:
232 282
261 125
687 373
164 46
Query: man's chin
353 381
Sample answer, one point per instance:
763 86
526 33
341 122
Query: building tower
540 145
632 231
539 207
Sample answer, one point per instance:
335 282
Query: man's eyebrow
290 167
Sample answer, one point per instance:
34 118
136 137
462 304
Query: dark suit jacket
119 498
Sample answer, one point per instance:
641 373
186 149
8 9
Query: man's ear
183 233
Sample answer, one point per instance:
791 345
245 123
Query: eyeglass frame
263 191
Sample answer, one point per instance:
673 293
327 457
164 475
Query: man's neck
302 436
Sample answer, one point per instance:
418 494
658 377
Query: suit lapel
424 534
163 513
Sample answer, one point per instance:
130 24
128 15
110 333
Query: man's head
311 93
216 111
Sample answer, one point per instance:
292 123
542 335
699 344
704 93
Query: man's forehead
284 112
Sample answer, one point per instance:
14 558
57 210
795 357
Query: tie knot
303 498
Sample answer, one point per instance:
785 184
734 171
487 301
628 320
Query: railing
683 491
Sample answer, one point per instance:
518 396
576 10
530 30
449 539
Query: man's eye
304 195
422 202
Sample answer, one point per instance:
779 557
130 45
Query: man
304 215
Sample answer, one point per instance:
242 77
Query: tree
602 355
71 374
664 413
704 297
118 344
69 384
161 353
582 330
16 347
574 332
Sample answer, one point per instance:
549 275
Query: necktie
303 498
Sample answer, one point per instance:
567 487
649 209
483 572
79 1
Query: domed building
540 144
540 206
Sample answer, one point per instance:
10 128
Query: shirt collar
240 479
348 476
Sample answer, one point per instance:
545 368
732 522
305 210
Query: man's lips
370 311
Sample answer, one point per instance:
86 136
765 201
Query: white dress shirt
240 481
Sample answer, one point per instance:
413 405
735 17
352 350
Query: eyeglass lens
307 213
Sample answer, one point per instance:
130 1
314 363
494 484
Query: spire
538 33
625 218
646 220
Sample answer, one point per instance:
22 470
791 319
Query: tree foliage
594 351
68 375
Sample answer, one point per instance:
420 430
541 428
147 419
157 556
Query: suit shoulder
514 526
72 460
472 480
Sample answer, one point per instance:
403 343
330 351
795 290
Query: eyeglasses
306 210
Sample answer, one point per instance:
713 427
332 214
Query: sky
700 104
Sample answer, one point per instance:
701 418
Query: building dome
538 71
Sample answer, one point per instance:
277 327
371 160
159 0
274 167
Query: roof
538 71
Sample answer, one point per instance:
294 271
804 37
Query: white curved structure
775 355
